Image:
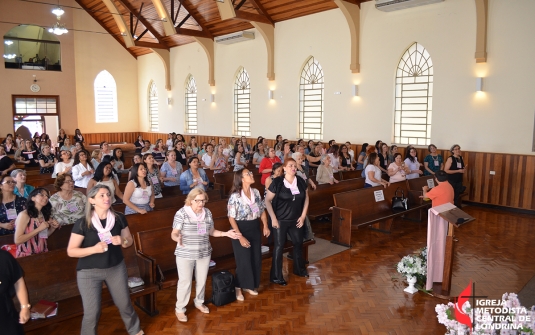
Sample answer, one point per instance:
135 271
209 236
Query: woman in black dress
455 169
11 280
287 205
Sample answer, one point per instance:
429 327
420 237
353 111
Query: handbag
400 204
223 288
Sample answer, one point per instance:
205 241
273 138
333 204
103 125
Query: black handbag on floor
400 204
223 288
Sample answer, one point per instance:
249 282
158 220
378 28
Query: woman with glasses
193 177
29 154
411 161
192 226
68 205
346 161
245 210
65 165
82 170
21 189
35 224
12 205
433 162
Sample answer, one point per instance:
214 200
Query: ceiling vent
392 5
235 37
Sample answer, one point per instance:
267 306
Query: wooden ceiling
192 18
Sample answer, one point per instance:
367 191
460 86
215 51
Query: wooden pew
359 208
57 282
344 175
321 199
227 180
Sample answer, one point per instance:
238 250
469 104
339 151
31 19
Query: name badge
155 179
294 191
254 208
436 163
72 207
303 163
201 228
30 156
173 172
145 195
183 156
348 161
459 166
43 233
11 214
105 237
246 150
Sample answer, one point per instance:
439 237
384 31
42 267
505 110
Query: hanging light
58 29
8 42
58 12
8 56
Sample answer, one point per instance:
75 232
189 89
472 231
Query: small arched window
311 96
242 103
191 105
414 97
153 106
105 98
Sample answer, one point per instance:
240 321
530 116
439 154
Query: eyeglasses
43 195
10 182
250 173
70 181
199 201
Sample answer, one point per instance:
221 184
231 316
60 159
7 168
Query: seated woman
240 160
346 161
193 147
373 173
171 170
192 226
104 176
170 140
35 224
29 154
362 156
65 165
193 177
78 137
45 139
12 205
219 161
66 145
68 205
203 150
325 172
314 158
159 151
36 143
96 158
138 193
62 136
105 149
310 147
259 154
153 174
397 170
46 160
206 158
6 163
9 146
139 144
21 188
82 170
136 159
433 162
78 146
266 165
147 149
411 161
335 158
118 161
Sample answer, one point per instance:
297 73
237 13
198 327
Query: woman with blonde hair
192 227
96 239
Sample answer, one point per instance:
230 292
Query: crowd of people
88 184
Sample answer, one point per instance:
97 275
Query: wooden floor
356 291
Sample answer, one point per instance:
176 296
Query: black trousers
248 260
279 237
457 190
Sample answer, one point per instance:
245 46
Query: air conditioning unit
235 37
392 5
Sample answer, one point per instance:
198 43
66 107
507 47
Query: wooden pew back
321 199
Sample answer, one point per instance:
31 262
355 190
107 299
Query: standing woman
287 205
12 205
159 151
21 189
219 161
411 161
362 156
206 158
78 137
346 160
433 162
392 152
397 170
138 193
96 239
193 177
139 144
171 170
455 169
383 158
104 176
245 209
46 160
193 147
35 224
192 226
314 158
301 171
240 160
266 165
65 165
82 169
61 138
153 173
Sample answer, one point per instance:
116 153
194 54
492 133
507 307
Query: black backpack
223 288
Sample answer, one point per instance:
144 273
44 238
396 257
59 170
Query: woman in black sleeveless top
455 169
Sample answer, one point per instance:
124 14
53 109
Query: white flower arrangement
412 266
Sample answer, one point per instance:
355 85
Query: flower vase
411 289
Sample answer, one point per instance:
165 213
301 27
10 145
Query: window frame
190 97
150 101
238 129
115 115
311 79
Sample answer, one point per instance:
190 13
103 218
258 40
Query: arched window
311 95
414 97
153 107
242 104
105 98
191 105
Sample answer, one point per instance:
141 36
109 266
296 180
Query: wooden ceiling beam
117 37
194 33
258 5
151 45
246 16
190 9
146 23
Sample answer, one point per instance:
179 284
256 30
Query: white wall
500 119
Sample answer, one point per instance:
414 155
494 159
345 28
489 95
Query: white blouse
79 180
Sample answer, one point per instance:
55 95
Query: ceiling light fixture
58 12
10 56
8 42
58 29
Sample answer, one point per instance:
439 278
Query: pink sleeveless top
35 245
